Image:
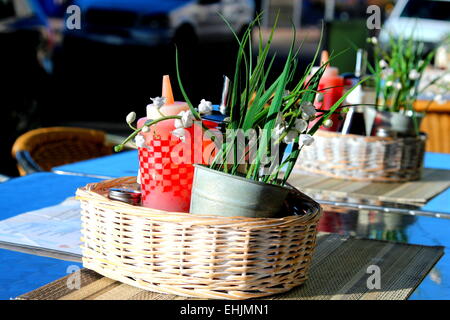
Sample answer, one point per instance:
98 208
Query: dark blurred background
95 75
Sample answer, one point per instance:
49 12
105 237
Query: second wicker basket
354 157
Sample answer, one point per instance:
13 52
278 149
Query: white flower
308 110
180 133
383 64
187 118
205 107
280 129
158 101
145 129
387 73
372 40
186 121
398 85
328 123
131 117
263 171
305 117
319 97
439 99
446 78
140 141
306 139
389 83
414 74
290 136
300 125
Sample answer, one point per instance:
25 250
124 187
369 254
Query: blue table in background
121 164
126 164
21 272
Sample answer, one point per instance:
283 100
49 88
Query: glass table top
403 228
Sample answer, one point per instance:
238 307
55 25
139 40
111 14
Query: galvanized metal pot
397 121
218 193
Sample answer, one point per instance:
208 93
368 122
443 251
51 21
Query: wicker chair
45 148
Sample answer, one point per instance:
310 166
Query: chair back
51 147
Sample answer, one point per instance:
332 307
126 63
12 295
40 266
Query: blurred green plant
397 74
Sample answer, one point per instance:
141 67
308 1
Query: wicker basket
196 256
355 157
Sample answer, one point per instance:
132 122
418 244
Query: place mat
338 271
419 192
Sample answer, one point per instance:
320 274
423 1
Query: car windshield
429 9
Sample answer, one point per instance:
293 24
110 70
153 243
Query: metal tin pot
218 193
402 123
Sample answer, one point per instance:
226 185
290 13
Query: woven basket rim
95 193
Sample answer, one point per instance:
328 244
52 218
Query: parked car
427 20
154 22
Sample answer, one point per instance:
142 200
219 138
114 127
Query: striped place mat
419 192
338 271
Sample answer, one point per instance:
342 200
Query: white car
156 22
427 20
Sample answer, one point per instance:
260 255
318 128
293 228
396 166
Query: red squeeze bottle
331 85
166 164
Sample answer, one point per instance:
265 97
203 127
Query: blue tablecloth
114 166
20 272
437 160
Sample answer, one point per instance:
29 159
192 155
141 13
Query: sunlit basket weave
356 157
196 256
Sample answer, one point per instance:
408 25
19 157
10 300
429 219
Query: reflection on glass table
404 228
438 206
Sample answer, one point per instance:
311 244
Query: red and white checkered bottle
166 168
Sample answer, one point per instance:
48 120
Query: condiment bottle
331 88
165 164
